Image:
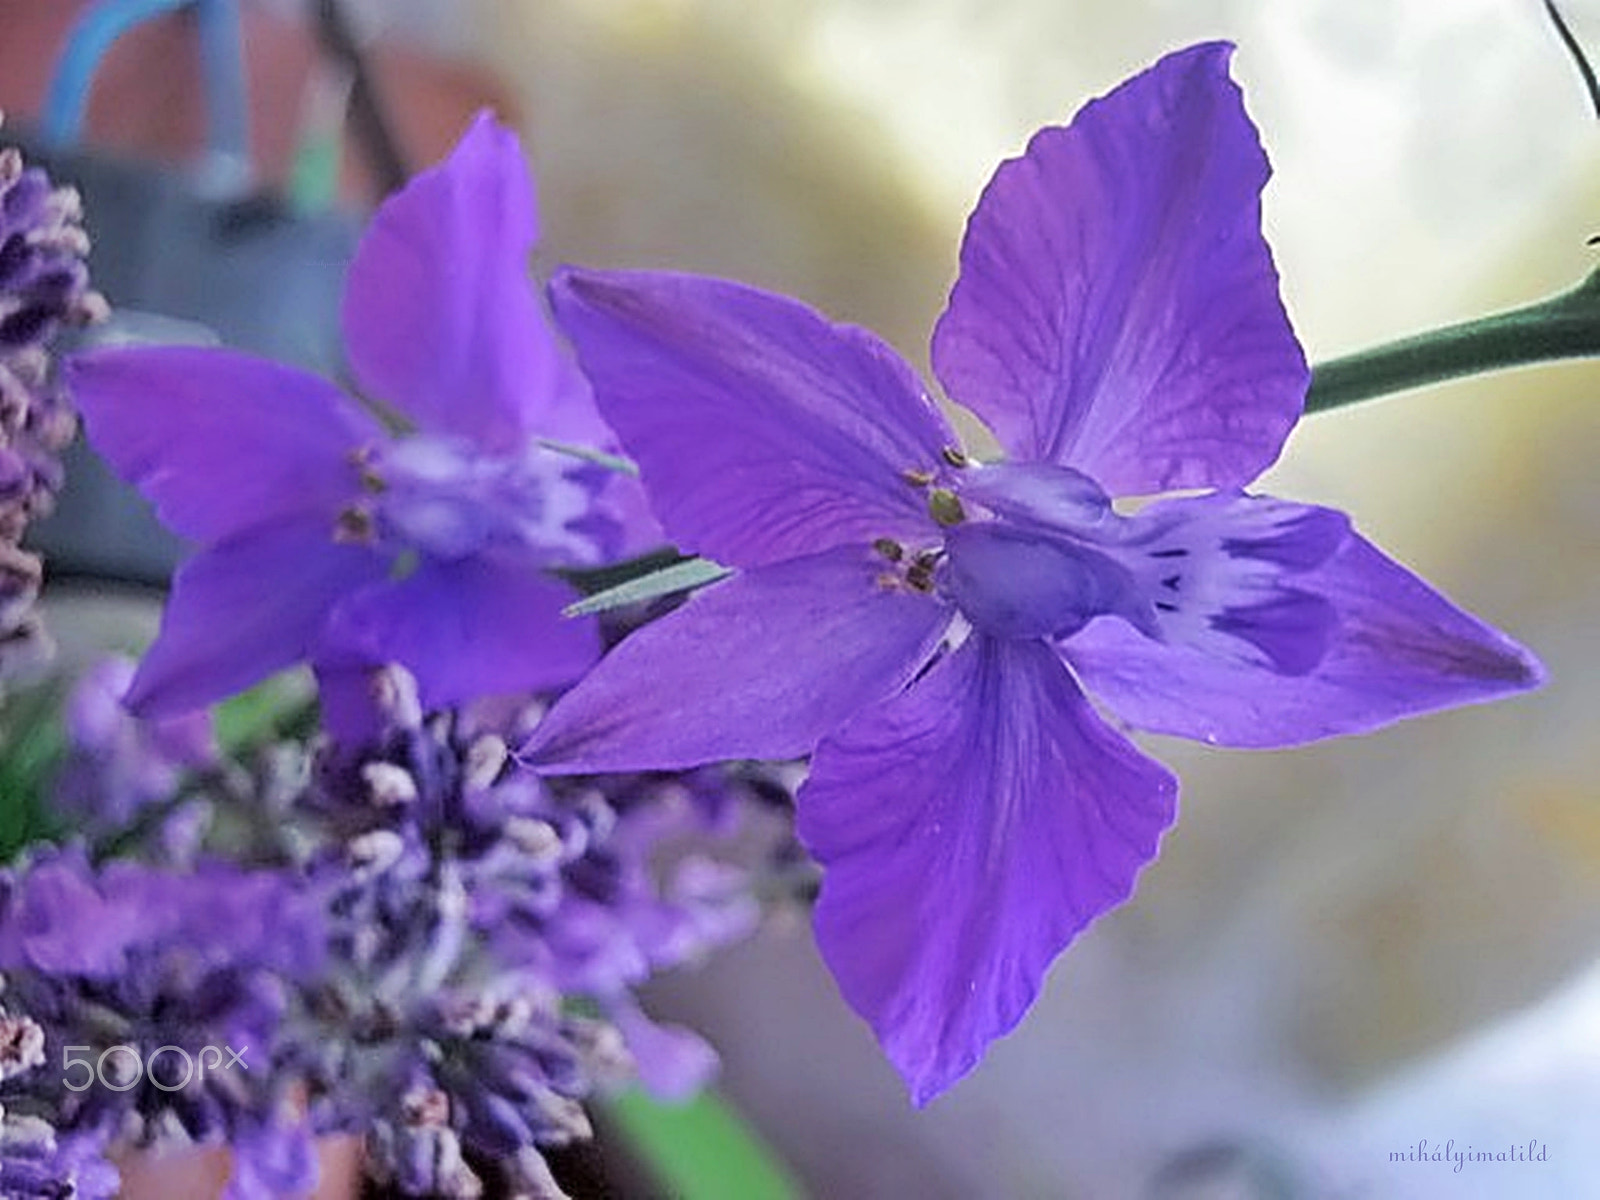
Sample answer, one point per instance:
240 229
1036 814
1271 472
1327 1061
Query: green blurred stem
1564 326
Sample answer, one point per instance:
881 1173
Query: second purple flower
418 529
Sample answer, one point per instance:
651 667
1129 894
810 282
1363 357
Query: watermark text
1459 1156
121 1068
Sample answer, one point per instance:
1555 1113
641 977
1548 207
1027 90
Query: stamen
361 459
919 575
915 478
889 548
388 785
355 526
405 565
944 506
954 457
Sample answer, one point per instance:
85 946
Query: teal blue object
99 28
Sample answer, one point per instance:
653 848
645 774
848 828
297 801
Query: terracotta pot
202 1174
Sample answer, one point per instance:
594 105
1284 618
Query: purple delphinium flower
156 977
44 285
327 535
923 622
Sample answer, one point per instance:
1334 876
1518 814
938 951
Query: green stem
1564 326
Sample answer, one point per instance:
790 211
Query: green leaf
589 580
679 577
32 743
592 580
265 712
702 1149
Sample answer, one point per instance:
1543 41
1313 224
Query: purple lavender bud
38 1163
528 1178
21 1045
418 1154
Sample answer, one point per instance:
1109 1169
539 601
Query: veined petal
1395 648
969 828
762 430
441 319
1117 309
219 441
1223 574
1039 494
243 609
761 665
474 627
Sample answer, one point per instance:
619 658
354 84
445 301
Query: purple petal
1020 583
220 441
969 829
56 919
223 915
243 609
1293 629
1037 494
1117 309
762 430
474 627
674 1063
346 699
1395 648
440 316
758 666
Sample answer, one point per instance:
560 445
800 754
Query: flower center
1015 582
443 498
1018 557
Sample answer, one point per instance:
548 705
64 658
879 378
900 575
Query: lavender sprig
488 930
37 1162
159 999
44 286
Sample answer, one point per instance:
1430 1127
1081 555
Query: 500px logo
120 1068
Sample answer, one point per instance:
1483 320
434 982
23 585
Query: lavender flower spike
922 622
44 286
327 537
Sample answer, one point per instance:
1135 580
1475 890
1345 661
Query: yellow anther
944 506
354 526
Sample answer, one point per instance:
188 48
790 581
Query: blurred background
1343 951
